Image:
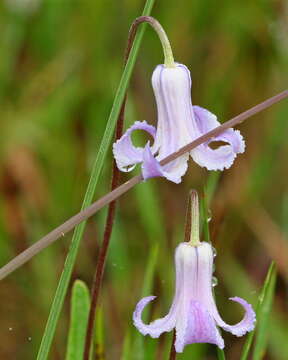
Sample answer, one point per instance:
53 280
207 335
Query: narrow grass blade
211 185
99 334
80 304
151 217
150 270
150 212
205 204
262 312
126 352
265 304
97 167
220 354
193 352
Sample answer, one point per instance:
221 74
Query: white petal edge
156 327
125 153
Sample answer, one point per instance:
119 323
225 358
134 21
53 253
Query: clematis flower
179 123
193 313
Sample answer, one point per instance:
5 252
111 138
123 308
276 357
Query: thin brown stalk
68 225
187 232
172 355
98 275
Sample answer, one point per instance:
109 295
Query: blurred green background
60 64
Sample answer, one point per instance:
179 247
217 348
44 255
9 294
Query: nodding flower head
193 312
179 123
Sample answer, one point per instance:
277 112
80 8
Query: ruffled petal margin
222 157
125 153
152 168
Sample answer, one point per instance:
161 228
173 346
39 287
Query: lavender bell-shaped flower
193 312
179 123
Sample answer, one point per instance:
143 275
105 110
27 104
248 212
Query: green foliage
141 351
59 70
220 354
206 218
80 304
193 352
96 170
263 310
263 314
148 206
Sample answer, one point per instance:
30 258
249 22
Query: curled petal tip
156 327
249 320
125 153
247 324
137 315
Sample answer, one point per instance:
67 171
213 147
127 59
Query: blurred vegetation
60 64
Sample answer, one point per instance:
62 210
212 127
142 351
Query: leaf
127 348
80 304
265 305
262 314
220 354
205 203
151 212
193 352
151 217
97 167
99 334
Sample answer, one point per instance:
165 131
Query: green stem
167 50
97 167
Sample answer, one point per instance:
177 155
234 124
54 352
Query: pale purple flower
178 124
193 313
